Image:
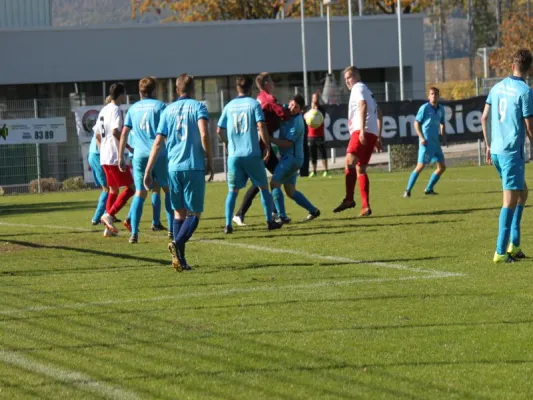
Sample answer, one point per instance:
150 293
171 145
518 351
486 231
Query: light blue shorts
159 173
98 171
430 153
287 170
187 190
511 171
242 168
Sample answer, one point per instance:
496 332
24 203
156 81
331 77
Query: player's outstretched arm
154 155
484 117
206 144
121 147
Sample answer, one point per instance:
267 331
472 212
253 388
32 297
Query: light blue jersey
511 101
93 147
430 118
179 124
240 118
143 119
294 131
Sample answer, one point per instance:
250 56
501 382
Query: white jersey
361 92
109 119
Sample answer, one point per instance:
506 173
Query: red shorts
363 152
115 177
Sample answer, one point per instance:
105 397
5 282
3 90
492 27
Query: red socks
111 198
121 201
364 189
351 177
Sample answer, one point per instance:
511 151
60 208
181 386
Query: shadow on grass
40 208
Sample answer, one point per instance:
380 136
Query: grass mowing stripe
76 379
226 292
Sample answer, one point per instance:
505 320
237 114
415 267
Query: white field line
428 274
255 289
77 379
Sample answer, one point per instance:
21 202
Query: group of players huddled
171 143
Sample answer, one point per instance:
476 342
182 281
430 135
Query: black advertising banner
463 121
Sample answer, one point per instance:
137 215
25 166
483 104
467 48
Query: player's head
315 100
147 87
351 76
244 85
185 85
117 92
297 104
522 60
264 82
433 95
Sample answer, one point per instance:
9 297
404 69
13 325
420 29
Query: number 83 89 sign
33 131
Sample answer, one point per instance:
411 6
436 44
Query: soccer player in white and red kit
110 123
364 123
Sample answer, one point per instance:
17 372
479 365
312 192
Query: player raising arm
184 126
510 106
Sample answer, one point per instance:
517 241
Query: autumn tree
516 34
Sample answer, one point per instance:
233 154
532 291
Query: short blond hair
147 86
185 84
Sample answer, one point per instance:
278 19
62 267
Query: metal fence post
390 157
477 86
37 149
386 90
333 155
479 152
224 152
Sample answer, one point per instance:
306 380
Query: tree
516 34
216 10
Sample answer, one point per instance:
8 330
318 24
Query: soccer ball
314 118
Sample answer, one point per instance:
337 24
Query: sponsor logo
89 120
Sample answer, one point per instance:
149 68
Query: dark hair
116 90
244 84
147 86
435 89
298 98
261 79
522 59
185 84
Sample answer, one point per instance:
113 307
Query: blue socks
432 181
302 201
412 180
156 204
100 208
176 227
515 225
231 199
268 204
136 211
169 211
279 201
504 231
184 232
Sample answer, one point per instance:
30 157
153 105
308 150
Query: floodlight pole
360 8
350 29
306 88
400 56
329 37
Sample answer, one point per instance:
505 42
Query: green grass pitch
404 304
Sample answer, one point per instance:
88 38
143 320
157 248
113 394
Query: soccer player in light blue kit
99 176
184 126
429 123
510 105
238 126
290 143
143 119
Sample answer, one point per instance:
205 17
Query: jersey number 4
145 123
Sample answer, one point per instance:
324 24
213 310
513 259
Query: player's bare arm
362 115
121 147
263 134
98 141
484 117
284 143
379 143
221 132
206 144
154 155
418 131
443 134
529 127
